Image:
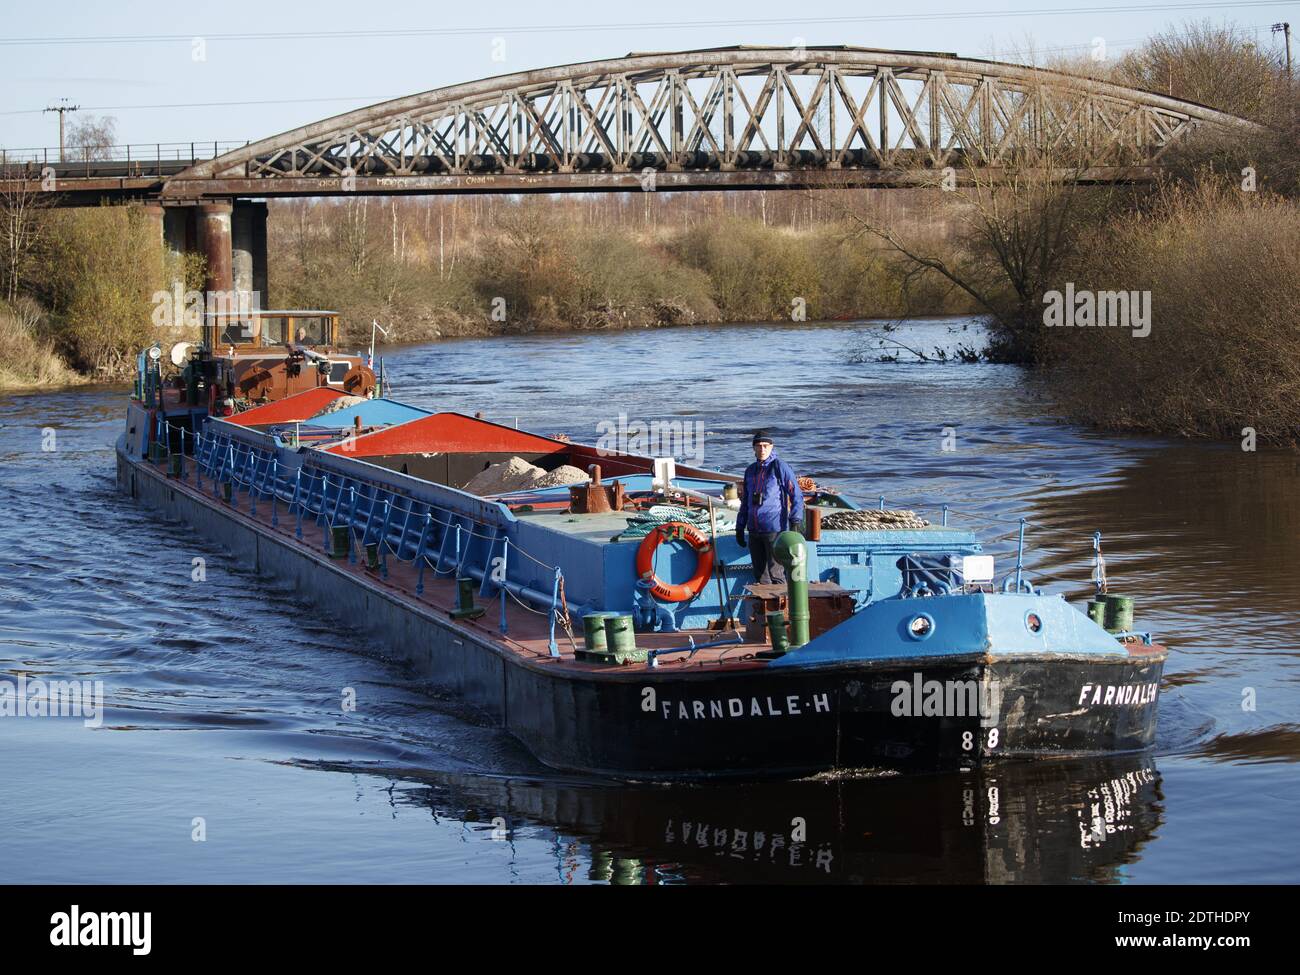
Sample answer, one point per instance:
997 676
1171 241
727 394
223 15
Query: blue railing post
352 522
296 503
552 646
419 554
234 476
882 502
1020 554
338 501
440 558
945 516
252 484
505 551
275 477
324 518
383 541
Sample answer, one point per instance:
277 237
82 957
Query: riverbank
1219 272
1221 266
537 265
26 361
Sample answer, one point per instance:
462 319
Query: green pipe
791 551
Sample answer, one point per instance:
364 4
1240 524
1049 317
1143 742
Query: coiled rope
872 519
646 522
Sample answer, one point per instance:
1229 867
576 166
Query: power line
652 25
374 99
1013 51
269 101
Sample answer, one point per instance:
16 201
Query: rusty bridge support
214 239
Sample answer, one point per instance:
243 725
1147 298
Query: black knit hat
761 436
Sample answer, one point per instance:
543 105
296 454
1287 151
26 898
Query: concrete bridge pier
248 249
180 237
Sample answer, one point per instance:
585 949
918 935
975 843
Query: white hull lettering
1122 695
737 707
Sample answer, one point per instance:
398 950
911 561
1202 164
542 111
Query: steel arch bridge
735 117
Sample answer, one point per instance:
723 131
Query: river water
224 755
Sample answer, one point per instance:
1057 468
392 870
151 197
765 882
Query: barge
609 620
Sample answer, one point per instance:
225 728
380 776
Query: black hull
793 723
752 722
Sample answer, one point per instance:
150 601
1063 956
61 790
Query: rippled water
223 696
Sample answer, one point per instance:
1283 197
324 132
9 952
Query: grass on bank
26 360
1223 269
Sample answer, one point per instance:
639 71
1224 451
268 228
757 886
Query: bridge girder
733 117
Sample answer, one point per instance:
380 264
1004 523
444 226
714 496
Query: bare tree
1017 228
20 231
1213 65
92 138
355 233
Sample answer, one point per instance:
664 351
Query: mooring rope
872 519
646 522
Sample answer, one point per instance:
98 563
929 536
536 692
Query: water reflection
1048 822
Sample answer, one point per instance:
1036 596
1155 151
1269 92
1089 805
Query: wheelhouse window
239 331
311 330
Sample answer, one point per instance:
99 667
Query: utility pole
1285 29
62 110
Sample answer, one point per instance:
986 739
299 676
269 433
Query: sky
180 73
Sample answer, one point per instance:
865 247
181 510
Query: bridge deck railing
139 158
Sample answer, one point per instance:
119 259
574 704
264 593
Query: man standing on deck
771 502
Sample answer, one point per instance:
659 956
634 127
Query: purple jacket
771 499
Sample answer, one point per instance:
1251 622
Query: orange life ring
693 537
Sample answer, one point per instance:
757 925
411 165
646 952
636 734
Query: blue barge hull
980 685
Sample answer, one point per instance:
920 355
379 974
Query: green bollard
465 608
792 552
1097 611
620 639
372 555
776 627
340 541
1119 614
593 632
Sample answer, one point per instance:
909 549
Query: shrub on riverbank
26 360
97 271
1223 269
548 264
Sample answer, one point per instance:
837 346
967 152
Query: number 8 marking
967 741
993 738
